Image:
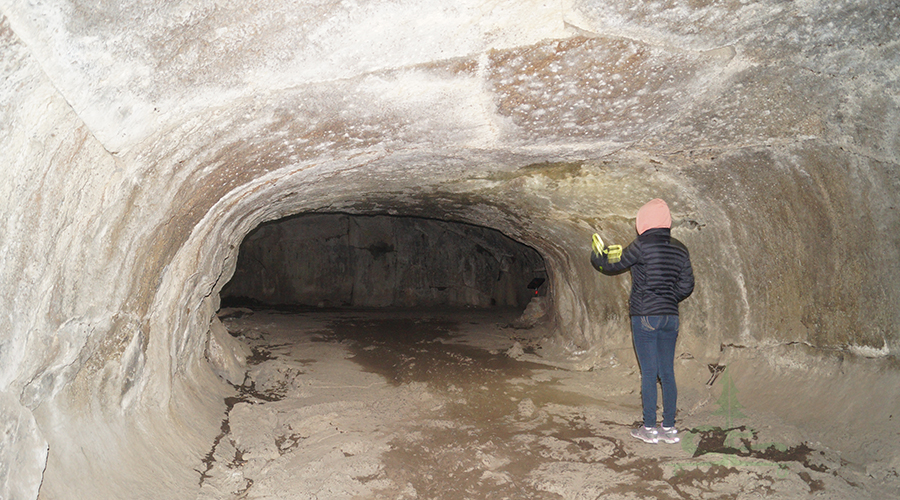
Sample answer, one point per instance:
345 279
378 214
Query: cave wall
335 260
143 141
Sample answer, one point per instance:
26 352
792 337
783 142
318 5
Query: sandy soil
401 405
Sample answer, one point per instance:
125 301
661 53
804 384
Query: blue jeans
654 342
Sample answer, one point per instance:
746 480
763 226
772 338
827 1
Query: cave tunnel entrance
382 279
337 260
382 350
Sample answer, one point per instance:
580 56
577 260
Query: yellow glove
596 244
613 253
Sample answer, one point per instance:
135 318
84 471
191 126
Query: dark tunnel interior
337 260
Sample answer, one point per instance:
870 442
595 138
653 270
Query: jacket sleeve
630 256
685 285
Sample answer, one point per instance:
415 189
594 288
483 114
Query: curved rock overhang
143 142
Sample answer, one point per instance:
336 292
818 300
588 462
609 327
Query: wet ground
400 405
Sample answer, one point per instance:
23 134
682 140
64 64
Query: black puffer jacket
661 272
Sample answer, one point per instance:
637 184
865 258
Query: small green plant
729 407
728 446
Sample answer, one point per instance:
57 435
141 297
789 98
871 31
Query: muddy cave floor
444 405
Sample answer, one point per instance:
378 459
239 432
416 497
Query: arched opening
341 260
360 332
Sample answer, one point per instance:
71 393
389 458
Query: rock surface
143 141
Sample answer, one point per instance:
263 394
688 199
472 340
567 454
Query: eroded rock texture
143 141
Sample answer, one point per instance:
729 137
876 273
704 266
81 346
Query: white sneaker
646 434
668 435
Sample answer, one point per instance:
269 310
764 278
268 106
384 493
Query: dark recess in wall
342 260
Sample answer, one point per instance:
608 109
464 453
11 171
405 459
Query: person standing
661 277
